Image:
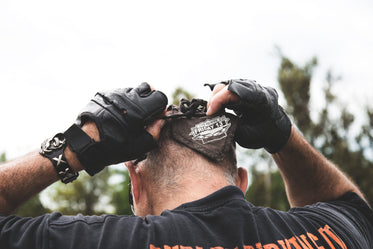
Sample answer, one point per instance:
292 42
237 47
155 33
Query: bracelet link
53 149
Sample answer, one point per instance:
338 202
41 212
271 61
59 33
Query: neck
190 188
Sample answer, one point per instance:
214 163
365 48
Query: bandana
211 136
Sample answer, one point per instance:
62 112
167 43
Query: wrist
73 160
91 129
291 144
54 149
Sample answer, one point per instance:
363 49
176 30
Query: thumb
220 99
155 128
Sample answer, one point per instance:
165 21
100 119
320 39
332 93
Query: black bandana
212 136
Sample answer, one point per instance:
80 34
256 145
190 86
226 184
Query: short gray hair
166 162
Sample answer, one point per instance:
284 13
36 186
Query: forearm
23 178
120 114
309 177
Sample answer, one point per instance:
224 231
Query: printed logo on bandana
211 129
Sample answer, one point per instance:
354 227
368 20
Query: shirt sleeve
98 232
348 217
54 231
18 232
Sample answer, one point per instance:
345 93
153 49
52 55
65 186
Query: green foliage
3 157
105 192
180 93
295 83
330 133
119 198
267 187
87 195
267 190
32 208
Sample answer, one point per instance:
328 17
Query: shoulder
349 217
348 205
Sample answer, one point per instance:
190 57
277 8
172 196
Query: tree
120 194
330 133
2 158
180 93
266 188
260 190
295 83
87 195
32 208
105 192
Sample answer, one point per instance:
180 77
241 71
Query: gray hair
166 163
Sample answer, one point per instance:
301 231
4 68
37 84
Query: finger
155 128
156 103
220 100
216 89
143 89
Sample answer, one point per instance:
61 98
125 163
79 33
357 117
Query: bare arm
113 111
23 178
309 177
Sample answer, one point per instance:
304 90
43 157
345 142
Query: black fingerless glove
262 122
120 116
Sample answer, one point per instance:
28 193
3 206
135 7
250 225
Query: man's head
173 158
195 157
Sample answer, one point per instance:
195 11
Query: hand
263 123
121 117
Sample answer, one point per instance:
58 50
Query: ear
242 180
135 180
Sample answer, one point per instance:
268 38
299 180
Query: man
187 188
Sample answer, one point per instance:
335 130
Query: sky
55 55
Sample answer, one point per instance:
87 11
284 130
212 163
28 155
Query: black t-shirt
222 220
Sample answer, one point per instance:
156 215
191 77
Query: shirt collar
214 200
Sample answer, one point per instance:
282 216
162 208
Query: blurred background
54 56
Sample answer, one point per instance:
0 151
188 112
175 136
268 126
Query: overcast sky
54 55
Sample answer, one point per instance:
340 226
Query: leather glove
262 122
120 116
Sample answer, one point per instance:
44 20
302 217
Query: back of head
193 143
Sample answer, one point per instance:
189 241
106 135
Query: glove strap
86 149
78 140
